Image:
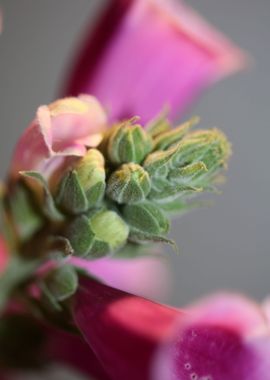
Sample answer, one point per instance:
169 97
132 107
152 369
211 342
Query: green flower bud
146 217
84 186
109 228
208 146
97 235
128 143
129 184
61 283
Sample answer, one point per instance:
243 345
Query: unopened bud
84 186
146 217
97 235
129 184
128 143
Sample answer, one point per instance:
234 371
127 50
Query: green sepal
128 143
172 192
99 249
62 282
168 138
129 184
158 161
158 125
142 237
47 202
71 197
146 217
80 235
25 217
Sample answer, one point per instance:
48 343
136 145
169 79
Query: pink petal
60 130
145 54
146 276
123 330
4 257
224 338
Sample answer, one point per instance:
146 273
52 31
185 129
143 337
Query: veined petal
60 130
147 54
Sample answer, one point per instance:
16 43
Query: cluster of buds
123 190
79 194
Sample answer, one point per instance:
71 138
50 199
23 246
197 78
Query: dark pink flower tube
147 54
222 338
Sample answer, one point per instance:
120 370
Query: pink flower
225 337
146 54
61 129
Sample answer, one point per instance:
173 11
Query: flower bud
60 284
97 235
129 184
128 143
84 186
208 146
146 217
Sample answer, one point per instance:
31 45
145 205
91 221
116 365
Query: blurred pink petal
4 257
146 54
223 338
145 276
61 129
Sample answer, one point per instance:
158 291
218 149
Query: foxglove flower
225 337
145 54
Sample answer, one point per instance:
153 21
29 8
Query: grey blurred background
224 246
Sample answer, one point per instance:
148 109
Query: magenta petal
145 276
123 330
146 54
225 338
